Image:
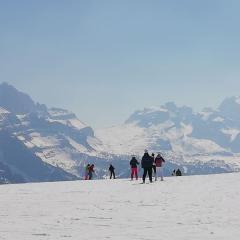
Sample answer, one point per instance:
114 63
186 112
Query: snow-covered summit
157 115
230 108
15 101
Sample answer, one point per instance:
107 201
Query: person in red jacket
91 171
159 161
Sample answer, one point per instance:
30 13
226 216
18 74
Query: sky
105 59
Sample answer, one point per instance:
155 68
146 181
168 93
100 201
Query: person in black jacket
112 172
134 167
178 173
147 162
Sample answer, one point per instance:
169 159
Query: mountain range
38 143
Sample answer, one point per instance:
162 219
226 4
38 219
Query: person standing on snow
159 161
147 162
91 171
178 173
112 172
134 167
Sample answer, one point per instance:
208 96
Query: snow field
196 207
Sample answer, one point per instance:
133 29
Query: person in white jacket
159 161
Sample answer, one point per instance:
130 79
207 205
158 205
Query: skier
174 173
91 171
159 164
147 162
134 169
154 167
111 170
178 173
87 172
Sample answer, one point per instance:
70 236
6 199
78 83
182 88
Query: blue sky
105 59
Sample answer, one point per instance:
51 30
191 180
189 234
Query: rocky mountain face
38 143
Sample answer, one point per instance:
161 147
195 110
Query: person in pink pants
134 167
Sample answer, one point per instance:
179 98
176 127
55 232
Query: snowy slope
196 207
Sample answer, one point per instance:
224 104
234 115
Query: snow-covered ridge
65 117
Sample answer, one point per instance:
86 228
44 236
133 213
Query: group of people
151 165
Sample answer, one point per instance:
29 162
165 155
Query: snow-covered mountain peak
157 115
230 108
15 101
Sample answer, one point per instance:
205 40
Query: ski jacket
159 161
134 162
178 173
111 168
147 161
91 169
